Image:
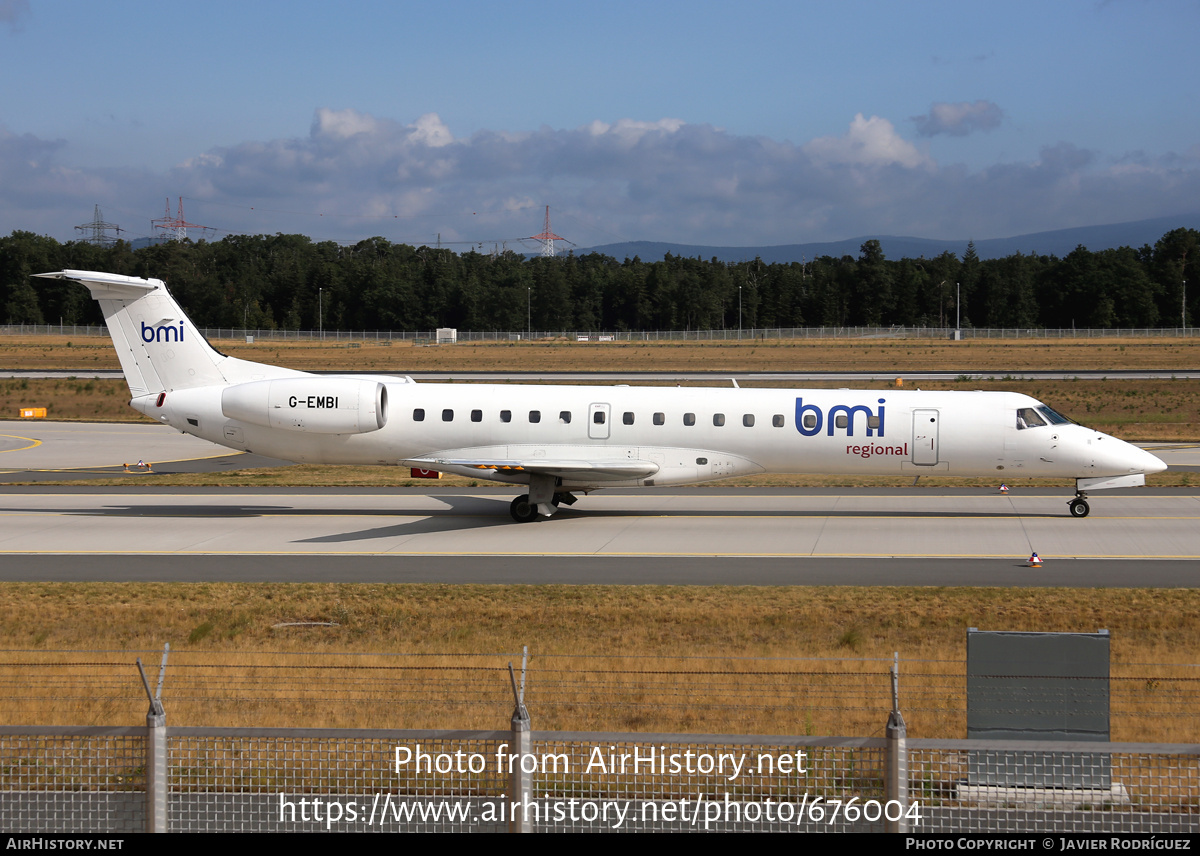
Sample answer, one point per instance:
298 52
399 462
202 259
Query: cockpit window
1054 417
1027 417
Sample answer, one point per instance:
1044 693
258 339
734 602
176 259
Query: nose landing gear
1079 505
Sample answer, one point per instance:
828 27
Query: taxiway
697 535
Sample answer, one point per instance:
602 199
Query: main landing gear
1079 506
524 511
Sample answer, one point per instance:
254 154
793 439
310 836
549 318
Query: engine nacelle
313 404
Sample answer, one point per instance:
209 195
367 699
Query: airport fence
431 337
159 779
519 779
1148 702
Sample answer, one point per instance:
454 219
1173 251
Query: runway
695 535
40 450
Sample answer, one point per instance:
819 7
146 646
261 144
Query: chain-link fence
160 778
294 780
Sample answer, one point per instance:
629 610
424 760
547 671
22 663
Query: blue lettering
801 409
164 333
839 416
849 412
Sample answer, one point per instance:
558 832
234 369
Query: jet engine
317 405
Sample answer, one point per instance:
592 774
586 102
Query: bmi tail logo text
162 333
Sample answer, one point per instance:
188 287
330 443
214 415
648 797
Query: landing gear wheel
1079 507
522 510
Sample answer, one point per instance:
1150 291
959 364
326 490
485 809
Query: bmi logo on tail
162 333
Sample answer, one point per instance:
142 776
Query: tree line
291 282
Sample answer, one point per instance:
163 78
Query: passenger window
777 420
476 415
419 414
564 416
873 422
660 419
506 416
748 420
689 419
718 419
598 417
841 421
535 416
447 415
627 418
810 420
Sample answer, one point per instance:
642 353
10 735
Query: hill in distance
1059 242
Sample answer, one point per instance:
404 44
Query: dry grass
73 399
758 660
882 355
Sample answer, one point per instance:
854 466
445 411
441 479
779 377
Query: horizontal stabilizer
107 285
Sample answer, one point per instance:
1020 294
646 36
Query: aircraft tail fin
159 347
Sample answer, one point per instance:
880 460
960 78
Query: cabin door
925 438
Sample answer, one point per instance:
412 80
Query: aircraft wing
566 469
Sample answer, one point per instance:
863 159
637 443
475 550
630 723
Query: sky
753 123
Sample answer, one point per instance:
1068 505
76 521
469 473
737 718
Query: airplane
565 440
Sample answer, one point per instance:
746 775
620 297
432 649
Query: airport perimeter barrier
159 779
1148 702
428 337
128 779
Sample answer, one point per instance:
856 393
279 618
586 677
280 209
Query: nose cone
1150 463
1117 456
1113 456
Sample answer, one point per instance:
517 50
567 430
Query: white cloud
429 130
629 132
355 175
959 119
869 142
342 124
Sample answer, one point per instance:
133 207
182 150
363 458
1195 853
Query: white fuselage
689 434
559 439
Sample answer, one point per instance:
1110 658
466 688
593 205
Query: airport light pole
957 311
